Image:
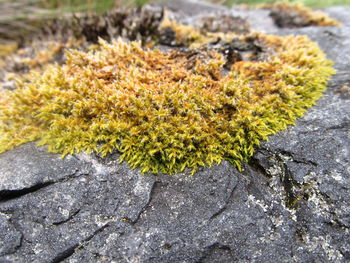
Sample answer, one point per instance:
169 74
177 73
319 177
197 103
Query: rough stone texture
10 238
40 169
290 204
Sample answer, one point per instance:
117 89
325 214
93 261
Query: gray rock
259 20
40 169
290 204
60 217
10 238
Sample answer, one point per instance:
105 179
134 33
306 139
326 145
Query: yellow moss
193 37
7 48
35 57
165 112
185 35
42 54
45 56
309 17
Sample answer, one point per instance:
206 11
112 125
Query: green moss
165 112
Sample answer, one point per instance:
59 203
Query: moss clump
35 56
176 34
165 112
296 15
173 33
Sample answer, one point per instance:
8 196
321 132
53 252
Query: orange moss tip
165 112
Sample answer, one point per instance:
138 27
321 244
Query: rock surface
290 204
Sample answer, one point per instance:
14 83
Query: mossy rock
165 112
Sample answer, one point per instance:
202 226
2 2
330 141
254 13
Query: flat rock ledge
290 204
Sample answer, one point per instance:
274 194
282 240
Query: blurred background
23 15
17 9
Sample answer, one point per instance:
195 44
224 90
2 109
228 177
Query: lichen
164 112
297 15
